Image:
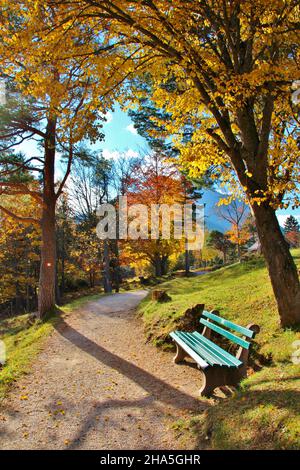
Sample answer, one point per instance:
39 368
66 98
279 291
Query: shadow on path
100 408
160 390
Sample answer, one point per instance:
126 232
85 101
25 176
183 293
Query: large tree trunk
281 266
117 271
157 266
106 272
164 265
47 281
187 259
48 261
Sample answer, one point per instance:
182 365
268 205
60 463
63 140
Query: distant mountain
212 220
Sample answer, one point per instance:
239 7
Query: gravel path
98 385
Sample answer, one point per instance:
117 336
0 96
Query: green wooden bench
219 367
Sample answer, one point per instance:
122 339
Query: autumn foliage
222 71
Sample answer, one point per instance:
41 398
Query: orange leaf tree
155 184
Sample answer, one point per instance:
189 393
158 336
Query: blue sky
120 134
122 137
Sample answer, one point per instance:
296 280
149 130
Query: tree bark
187 259
157 267
239 253
47 281
46 301
164 265
281 266
106 272
117 273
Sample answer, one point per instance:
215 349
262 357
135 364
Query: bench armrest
243 354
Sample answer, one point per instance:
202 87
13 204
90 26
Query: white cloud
132 129
111 155
131 153
115 154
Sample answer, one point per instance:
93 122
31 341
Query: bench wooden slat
219 359
227 334
205 348
216 349
189 350
233 326
210 358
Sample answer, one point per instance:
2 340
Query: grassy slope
24 340
265 412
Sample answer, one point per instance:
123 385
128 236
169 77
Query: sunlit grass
265 412
24 338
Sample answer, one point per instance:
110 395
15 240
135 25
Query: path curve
98 385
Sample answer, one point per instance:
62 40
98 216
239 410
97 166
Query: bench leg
214 377
180 354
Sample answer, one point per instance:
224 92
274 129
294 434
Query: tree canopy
222 70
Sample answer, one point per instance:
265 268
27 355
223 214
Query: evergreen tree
291 225
220 242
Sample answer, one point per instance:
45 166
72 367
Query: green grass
24 339
264 412
67 308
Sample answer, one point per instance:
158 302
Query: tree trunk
106 272
117 273
47 281
187 259
164 265
157 267
281 266
46 301
239 252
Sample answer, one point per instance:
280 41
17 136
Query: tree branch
23 188
26 220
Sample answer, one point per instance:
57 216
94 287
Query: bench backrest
214 322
